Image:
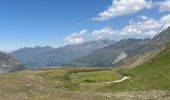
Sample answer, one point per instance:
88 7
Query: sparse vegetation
51 83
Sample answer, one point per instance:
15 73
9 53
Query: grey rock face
121 56
8 63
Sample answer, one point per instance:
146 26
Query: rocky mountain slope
9 64
112 54
163 37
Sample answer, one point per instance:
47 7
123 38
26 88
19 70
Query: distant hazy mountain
47 56
25 55
117 53
9 64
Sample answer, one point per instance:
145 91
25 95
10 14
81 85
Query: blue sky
28 23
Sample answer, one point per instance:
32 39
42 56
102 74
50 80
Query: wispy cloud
104 33
123 7
165 21
164 5
142 26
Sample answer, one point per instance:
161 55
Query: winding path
118 81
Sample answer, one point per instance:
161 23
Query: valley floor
71 84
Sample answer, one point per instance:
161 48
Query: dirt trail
118 81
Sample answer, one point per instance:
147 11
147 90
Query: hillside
139 59
153 74
163 37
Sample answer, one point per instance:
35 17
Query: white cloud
104 32
165 21
164 6
146 26
151 33
76 38
130 30
143 17
142 26
123 7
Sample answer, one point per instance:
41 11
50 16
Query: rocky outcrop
9 64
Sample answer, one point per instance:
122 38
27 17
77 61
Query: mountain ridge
59 56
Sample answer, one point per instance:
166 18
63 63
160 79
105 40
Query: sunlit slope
154 74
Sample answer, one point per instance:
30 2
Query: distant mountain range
99 53
48 56
9 64
28 55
